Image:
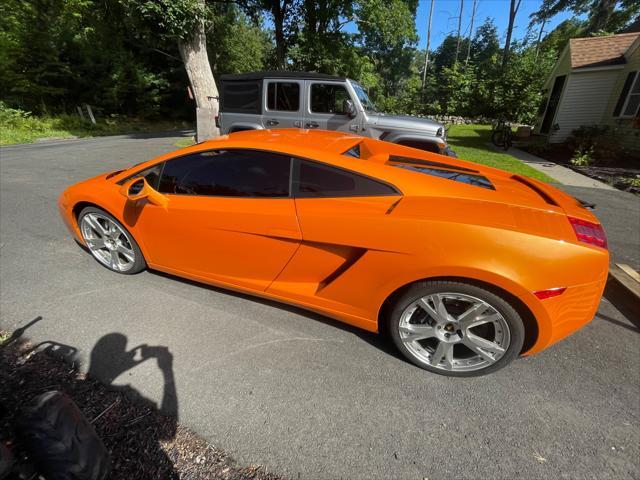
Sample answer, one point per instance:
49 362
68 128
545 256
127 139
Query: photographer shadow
141 425
110 359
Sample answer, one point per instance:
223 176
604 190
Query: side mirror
349 109
138 188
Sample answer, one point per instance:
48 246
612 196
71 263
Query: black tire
507 141
425 288
497 138
139 262
60 440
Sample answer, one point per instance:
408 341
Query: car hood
406 122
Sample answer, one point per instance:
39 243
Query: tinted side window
283 96
328 98
228 173
319 180
240 97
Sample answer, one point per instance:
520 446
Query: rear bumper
569 312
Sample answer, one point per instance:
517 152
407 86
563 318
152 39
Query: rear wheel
455 329
497 138
109 242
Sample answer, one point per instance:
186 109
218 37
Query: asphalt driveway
296 392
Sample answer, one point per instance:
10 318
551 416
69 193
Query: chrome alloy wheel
107 241
454 332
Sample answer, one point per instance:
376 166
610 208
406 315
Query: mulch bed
616 173
143 444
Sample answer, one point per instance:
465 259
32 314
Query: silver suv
251 101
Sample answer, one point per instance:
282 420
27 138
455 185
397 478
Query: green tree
602 15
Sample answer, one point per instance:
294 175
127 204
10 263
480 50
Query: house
596 81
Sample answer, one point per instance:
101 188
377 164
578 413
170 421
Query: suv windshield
366 102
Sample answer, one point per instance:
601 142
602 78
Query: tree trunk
278 11
513 10
426 52
193 51
544 22
473 16
459 27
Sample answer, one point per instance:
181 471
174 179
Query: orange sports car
464 266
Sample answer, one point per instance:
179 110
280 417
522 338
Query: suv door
230 217
282 103
326 108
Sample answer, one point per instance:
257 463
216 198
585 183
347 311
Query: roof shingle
600 51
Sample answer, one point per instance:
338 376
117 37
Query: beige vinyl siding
628 135
584 101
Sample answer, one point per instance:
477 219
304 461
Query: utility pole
473 16
426 53
459 27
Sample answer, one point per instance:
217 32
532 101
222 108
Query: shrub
600 139
582 157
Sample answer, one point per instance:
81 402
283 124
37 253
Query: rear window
319 180
240 97
468 178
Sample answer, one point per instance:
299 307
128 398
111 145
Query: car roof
319 140
278 74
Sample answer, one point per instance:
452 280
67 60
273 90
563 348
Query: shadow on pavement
381 342
19 332
133 427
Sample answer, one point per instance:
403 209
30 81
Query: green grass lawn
21 127
185 142
470 142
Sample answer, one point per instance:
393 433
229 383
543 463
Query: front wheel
109 242
455 328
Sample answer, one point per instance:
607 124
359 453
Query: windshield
366 102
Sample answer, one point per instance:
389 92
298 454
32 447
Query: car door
229 218
326 107
283 103
346 234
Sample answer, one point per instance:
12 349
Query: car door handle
312 125
272 123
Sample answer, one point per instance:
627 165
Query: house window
629 102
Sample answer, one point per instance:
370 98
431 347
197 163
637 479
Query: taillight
589 232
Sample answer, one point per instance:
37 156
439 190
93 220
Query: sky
445 18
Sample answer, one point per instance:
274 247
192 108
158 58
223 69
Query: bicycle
502 135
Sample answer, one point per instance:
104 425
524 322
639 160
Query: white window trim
636 79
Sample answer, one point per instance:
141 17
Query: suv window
240 97
283 96
319 180
329 98
228 173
